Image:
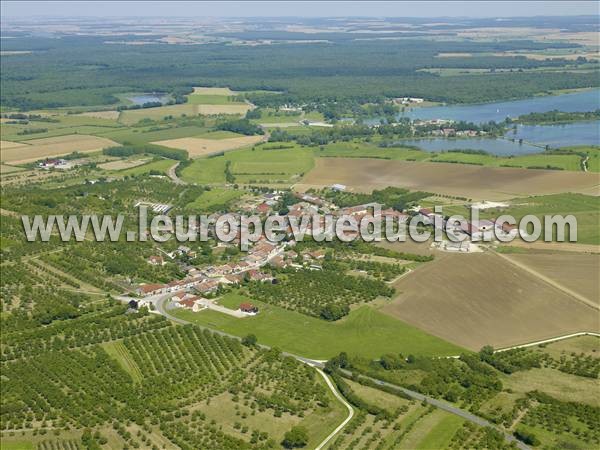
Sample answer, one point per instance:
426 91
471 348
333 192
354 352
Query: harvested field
479 299
233 108
463 180
55 146
111 115
7 145
556 246
197 147
133 116
9 169
577 272
123 164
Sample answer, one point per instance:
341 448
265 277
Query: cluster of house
477 230
408 100
451 132
59 164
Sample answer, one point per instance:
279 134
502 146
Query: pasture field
364 175
359 149
205 171
264 163
588 345
60 125
198 147
479 299
565 162
563 386
577 271
364 332
52 147
143 135
159 165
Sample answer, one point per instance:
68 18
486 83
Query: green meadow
364 332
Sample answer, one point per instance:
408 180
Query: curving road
345 403
173 175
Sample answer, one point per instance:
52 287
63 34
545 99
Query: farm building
248 308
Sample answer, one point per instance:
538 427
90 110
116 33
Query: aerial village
202 285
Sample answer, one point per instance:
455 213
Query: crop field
577 271
122 164
364 175
198 147
9 169
480 299
111 115
365 332
50 147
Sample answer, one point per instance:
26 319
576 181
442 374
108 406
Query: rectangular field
197 147
52 147
480 299
579 272
468 181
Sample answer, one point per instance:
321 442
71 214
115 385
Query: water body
501 147
497 112
576 133
147 98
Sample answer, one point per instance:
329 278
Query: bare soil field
577 272
111 115
197 147
464 180
50 147
123 164
479 299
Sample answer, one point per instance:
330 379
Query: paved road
160 301
446 407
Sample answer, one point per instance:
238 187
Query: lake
577 133
502 147
147 98
578 101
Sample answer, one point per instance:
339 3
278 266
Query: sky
297 9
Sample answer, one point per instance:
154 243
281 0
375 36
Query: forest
85 71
